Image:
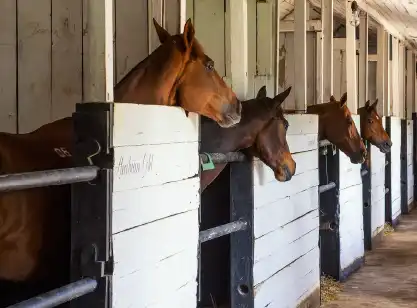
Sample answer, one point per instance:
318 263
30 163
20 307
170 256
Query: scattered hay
388 229
329 289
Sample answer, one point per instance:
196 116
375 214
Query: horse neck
152 80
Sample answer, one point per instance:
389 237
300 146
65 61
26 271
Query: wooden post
401 81
410 83
363 59
98 50
351 64
395 79
277 29
319 69
239 47
300 54
380 71
327 25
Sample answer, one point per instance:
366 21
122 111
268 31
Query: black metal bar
403 168
60 295
364 172
211 234
326 187
367 200
388 194
221 158
19 181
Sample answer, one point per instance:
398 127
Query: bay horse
34 223
260 133
372 129
337 126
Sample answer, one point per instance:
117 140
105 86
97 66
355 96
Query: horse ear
188 34
280 98
367 104
332 99
343 99
261 93
163 34
373 106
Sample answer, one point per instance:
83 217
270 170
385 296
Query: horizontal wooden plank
302 143
185 297
150 124
377 161
135 207
274 191
284 255
305 161
351 225
350 174
378 216
302 124
286 287
177 233
275 215
377 193
274 241
150 165
142 288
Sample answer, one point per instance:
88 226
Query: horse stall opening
286 270
153 204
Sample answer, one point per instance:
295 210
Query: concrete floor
389 277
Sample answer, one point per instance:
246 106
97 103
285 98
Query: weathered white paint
410 175
363 60
377 189
286 256
396 166
155 200
395 82
411 64
351 62
327 19
380 71
351 209
300 54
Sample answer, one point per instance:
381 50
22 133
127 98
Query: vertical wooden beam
380 70
276 49
98 50
387 74
239 47
155 10
319 68
395 78
351 64
363 59
300 54
410 83
401 80
327 24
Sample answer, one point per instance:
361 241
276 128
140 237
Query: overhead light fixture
355 14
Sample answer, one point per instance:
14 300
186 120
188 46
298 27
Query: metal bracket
209 165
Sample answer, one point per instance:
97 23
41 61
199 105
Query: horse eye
210 66
349 121
286 125
370 121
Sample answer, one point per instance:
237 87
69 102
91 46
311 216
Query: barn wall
155 207
372 80
378 189
410 171
351 209
396 166
286 223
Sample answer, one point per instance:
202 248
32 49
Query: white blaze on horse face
62 152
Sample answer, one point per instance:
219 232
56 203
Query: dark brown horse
337 126
179 73
34 223
372 129
261 132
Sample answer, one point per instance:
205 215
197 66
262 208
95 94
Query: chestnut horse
337 126
34 223
261 133
372 129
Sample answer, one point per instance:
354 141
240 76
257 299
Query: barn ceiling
399 17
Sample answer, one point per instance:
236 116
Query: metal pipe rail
19 181
324 143
327 187
364 172
60 295
221 158
232 227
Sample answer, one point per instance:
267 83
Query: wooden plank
66 57
8 66
287 287
363 60
140 166
131 208
132 125
327 20
401 82
289 25
264 39
411 63
395 163
351 71
172 11
268 193
277 6
155 10
34 68
319 68
380 71
306 161
98 66
238 46
300 54
131 23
